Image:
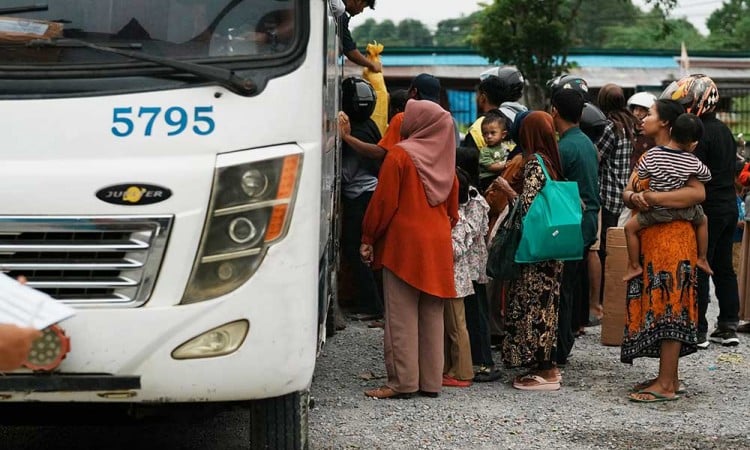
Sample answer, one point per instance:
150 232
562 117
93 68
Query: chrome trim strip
251 207
233 255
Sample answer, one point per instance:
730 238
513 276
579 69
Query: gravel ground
590 411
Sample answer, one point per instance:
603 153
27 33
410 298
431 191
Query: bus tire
280 422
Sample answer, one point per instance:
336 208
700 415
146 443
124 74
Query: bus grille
87 261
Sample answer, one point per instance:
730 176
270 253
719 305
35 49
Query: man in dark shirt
348 46
717 150
580 164
359 178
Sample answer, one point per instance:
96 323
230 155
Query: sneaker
725 337
702 341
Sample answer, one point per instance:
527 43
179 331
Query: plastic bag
380 115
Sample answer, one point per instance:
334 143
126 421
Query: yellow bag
380 115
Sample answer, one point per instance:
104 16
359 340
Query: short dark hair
668 110
371 4
496 116
493 88
569 104
397 101
467 159
687 129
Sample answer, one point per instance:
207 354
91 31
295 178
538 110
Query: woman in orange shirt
407 232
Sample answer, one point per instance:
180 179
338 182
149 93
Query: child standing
492 158
668 168
469 260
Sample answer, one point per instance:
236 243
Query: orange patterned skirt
662 304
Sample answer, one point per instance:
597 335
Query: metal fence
463 106
734 110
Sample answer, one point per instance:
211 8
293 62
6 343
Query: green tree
651 32
730 26
363 33
590 31
455 32
534 36
414 33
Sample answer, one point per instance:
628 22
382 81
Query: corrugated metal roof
466 59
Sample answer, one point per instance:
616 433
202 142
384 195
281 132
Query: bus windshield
178 29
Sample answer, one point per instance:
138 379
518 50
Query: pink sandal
540 384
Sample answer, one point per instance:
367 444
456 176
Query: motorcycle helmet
357 98
697 93
511 79
566 81
642 99
592 122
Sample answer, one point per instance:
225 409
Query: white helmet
642 99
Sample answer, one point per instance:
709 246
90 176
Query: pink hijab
429 139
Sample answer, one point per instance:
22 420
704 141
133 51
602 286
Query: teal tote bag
552 227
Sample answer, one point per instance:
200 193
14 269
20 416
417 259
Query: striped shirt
668 169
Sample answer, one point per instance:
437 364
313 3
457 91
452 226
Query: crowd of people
422 211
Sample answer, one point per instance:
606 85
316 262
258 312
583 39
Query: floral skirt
531 315
662 304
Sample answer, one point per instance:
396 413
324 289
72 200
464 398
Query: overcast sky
431 12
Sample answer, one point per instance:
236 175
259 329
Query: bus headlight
220 341
250 209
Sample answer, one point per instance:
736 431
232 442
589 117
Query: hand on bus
345 127
366 253
15 344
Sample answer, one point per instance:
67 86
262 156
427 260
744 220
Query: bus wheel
280 422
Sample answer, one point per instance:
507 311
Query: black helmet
593 121
566 81
512 81
357 98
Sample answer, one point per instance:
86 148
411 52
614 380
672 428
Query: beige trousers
457 344
413 341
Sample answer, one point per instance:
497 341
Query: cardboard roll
48 351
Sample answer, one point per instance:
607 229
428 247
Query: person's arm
359 59
366 149
693 193
372 151
606 146
497 167
453 203
744 177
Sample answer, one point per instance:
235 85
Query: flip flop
681 389
541 384
657 397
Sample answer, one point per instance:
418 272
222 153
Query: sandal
681 389
540 384
450 381
657 397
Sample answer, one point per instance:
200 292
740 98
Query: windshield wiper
224 77
24 9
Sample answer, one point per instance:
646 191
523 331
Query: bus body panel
60 152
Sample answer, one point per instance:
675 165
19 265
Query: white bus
169 169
